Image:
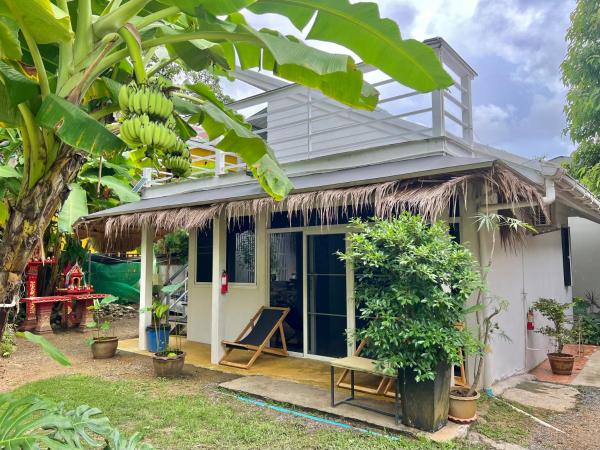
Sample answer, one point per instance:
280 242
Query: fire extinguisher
224 283
530 324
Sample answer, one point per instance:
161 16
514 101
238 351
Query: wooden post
147 257
217 311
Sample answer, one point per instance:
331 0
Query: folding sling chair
256 336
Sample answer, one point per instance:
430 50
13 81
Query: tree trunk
30 217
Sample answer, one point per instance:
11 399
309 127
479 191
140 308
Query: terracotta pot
561 363
168 366
462 409
105 347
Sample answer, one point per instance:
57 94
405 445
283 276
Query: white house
415 151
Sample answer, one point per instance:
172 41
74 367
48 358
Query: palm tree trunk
29 218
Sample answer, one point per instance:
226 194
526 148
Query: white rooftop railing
300 123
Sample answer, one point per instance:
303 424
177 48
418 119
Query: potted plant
167 360
412 281
561 363
103 343
463 399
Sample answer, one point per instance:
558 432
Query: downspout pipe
549 195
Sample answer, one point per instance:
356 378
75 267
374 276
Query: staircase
178 301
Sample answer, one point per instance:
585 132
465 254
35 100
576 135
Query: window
241 250
566 254
204 254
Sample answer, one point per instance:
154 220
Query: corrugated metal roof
375 173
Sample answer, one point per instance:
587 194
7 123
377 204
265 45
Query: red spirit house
75 295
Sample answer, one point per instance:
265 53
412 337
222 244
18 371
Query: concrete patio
304 383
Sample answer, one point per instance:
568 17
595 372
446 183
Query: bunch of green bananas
145 100
178 166
148 123
139 130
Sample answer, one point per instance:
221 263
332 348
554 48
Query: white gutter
547 199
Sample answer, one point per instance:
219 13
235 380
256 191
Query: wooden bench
354 364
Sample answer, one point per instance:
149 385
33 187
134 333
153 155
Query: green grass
501 423
172 417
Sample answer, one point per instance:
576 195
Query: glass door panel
326 295
286 285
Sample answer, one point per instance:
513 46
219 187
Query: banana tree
63 64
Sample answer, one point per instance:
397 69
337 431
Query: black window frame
565 239
204 235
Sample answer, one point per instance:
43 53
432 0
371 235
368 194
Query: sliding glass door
285 278
326 295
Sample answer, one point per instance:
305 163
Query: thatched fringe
432 198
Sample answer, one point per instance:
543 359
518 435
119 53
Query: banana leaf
73 208
359 27
75 127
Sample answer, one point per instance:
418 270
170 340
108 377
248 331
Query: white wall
521 277
241 302
585 256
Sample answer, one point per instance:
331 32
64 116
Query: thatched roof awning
428 196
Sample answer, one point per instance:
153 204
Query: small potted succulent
561 363
167 360
103 343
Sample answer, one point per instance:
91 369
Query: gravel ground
580 425
29 363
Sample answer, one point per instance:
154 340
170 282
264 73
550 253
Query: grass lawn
501 423
172 417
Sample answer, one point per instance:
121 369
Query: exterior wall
521 277
241 302
585 251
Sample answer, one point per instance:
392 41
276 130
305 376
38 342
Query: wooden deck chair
256 336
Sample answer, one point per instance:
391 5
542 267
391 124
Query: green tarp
121 280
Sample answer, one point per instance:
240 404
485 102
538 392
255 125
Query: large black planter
425 403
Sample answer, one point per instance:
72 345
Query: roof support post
147 258
217 299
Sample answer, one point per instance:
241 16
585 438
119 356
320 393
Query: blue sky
516 47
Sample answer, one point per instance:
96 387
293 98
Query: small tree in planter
103 343
561 363
412 282
168 361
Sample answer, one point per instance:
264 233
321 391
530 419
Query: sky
515 46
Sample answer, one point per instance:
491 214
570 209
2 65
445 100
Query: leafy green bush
412 282
586 326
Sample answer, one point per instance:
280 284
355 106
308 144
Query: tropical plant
63 66
101 324
581 76
412 282
556 313
30 423
586 322
486 307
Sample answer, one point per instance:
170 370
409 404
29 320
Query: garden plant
559 330
103 343
412 284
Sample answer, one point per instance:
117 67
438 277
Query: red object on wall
530 324
224 283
